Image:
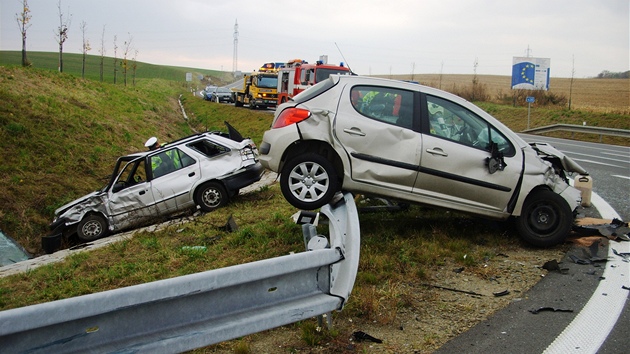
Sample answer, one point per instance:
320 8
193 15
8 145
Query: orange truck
297 75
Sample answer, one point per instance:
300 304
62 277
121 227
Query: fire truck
298 75
259 88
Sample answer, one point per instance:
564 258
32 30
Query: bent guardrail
192 311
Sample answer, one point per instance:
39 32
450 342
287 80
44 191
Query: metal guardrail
580 129
192 311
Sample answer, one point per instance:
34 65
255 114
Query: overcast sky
375 36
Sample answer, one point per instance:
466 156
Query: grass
73 64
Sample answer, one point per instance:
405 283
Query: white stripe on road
590 328
597 162
620 176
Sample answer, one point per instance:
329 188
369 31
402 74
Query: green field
73 64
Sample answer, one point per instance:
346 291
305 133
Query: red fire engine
298 75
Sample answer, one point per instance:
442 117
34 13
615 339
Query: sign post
530 100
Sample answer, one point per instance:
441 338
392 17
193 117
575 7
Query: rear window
315 90
208 148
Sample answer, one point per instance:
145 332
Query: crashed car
202 170
408 142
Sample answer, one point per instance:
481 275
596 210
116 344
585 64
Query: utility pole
235 56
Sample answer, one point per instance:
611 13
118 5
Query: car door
173 173
460 168
130 200
375 126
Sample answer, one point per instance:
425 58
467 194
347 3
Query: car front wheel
308 181
210 196
92 227
546 219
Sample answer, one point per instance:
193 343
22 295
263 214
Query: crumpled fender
568 164
76 209
542 173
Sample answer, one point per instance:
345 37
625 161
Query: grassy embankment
59 136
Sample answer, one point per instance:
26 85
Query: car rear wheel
546 219
92 227
211 195
308 181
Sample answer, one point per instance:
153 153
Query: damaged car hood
65 207
568 164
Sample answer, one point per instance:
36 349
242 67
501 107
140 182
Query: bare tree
125 62
115 59
571 84
86 47
134 66
61 35
23 20
102 52
475 80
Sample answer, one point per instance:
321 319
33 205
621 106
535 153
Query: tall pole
235 57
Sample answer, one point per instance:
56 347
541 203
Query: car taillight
291 116
249 153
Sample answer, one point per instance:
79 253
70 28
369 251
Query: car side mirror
495 162
118 187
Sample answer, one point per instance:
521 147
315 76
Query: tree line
127 64
613 75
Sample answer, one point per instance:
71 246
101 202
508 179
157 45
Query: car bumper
249 175
266 102
63 226
275 144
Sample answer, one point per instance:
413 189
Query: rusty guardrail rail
196 310
580 129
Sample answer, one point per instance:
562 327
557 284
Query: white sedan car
203 170
405 141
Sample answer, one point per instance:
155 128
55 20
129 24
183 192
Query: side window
451 121
168 161
208 148
132 173
387 105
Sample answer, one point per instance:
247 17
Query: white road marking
590 328
620 176
597 163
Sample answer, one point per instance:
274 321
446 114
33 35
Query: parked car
413 143
203 170
220 94
207 92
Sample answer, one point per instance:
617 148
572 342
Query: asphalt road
584 306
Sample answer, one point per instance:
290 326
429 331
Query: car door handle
191 174
142 192
354 131
437 151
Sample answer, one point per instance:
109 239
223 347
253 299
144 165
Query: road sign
531 99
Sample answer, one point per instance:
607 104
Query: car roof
215 136
369 80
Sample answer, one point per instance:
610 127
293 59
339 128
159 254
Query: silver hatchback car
408 142
203 170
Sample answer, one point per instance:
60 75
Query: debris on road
362 336
616 230
552 309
